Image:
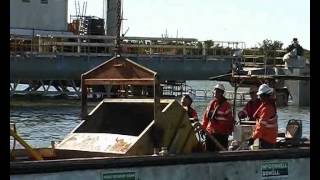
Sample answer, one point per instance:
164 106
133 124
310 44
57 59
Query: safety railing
92 44
262 58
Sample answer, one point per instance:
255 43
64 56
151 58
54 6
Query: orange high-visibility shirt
266 122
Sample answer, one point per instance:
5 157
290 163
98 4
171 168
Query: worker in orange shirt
252 105
218 119
186 102
266 129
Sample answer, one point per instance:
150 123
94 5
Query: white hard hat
219 86
264 89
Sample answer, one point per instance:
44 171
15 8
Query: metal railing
262 58
93 44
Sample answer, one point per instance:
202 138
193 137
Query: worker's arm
257 133
245 109
244 112
266 114
195 115
205 120
229 116
228 112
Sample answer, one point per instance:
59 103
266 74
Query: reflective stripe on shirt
270 123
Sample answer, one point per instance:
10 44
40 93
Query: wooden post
79 43
156 92
84 108
236 86
157 131
39 44
235 99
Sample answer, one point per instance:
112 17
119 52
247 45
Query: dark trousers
265 145
221 138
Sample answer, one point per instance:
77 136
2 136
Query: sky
250 21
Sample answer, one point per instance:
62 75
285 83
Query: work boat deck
127 150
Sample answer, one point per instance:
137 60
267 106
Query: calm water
43 124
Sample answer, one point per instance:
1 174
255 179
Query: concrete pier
299 89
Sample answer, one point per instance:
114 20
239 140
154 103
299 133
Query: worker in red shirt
186 102
218 119
266 129
251 106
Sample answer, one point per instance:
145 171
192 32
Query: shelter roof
119 71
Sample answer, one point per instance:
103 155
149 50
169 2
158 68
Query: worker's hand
191 120
250 141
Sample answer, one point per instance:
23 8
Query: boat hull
262 164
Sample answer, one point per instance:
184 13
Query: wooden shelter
119 71
129 126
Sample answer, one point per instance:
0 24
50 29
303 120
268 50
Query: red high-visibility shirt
251 107
223 121
192 113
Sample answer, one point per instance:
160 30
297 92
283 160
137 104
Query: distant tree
271 45
199 45
268 47
208 44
